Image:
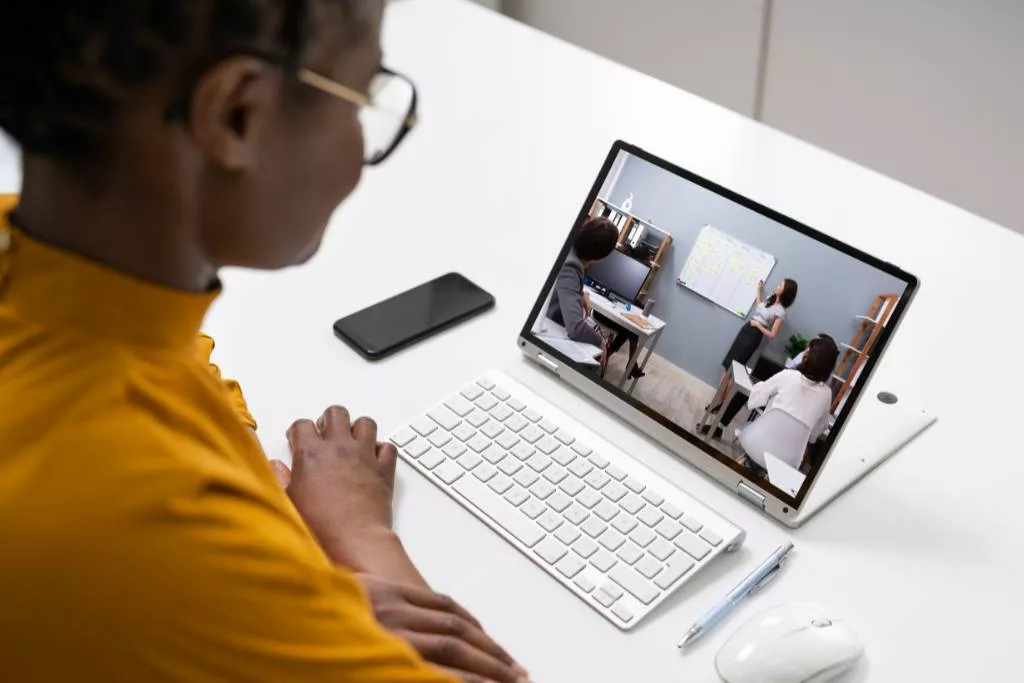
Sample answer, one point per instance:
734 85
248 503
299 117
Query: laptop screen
743 331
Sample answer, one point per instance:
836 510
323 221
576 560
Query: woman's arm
574 316
762 392
773 332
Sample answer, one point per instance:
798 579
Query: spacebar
507 517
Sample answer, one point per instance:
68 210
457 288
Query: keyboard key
599 460
459 406
567 534
501 412
661 549
604 561
516 423
507 440
693 546
510 466
523 451
596 479
612 590
593 527
629 553
424 426
402 437
477 418
516 405
555 474
584 547
559 502
548 426
526 478
577 514
673 571
572 486
582 449
500 484
501 394
632 504
611 539
547 445
614 491
432 459
506 516
486 402
439 439
479 443
650 516
542 489
570 566
653 498
485 472
549 521
532 508
464 432
550 550
642 536
565 437
668 529
532 434
580 467
517 496
606 510
563 456
417 448
711 537
492 429
634 484
584 584
671 510
494 454
539 463
472 392
615 473
588 498
454 449
622 613
634 584
692 523
444 417
624 524
649 567
449 472
532 415
485 383
603 598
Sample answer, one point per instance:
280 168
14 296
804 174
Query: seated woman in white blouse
803 392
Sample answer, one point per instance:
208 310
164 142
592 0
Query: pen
754 582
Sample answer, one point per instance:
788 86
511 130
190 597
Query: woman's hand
587 308
442 632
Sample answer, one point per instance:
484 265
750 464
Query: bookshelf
639 239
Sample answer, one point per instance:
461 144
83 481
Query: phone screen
412 316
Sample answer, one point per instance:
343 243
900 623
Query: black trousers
622 335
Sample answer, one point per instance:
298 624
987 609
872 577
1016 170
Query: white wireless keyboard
606 527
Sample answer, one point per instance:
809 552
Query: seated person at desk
145 535
802 393
570 305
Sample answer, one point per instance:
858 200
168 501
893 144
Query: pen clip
767 579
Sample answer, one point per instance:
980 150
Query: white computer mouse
789 644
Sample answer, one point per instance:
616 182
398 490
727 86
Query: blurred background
930 92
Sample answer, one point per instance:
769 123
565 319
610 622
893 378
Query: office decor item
627 205
860 347
725 270
639 239
649 308
796 345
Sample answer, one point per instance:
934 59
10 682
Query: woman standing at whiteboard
765 323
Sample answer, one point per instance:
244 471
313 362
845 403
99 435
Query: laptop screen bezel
628 400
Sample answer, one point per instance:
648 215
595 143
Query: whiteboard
726 270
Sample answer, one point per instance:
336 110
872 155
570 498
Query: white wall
928 91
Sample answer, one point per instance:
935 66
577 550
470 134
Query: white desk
649 335
924 547
742 383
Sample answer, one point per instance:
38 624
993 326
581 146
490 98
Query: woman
765 323
802 393
145 535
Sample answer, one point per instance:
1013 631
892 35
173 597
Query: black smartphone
401 321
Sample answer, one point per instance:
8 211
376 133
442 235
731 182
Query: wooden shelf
867 319
841 380
850 348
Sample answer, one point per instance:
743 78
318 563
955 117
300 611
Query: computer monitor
623 276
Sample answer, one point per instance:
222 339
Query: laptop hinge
548 363
751 495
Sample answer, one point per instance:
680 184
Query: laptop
741 340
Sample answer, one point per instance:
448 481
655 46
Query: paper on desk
576 351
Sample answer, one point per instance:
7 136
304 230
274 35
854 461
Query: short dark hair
596 239
67 67
789 289
820 360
